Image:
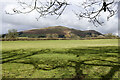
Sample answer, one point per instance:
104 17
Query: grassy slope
60 30
20 59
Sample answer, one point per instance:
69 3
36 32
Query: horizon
54 26
63 27
23 22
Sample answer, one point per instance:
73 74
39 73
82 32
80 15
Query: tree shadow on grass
90 54
19 54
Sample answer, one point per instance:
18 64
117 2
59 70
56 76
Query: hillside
57 31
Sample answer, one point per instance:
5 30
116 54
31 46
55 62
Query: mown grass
61 59
58 44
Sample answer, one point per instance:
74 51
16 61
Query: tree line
13 34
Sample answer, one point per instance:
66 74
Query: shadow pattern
77 64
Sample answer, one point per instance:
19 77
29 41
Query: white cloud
68 19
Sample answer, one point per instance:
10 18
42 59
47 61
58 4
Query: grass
60 59
58 44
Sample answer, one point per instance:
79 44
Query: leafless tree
51 7
57 7
93 14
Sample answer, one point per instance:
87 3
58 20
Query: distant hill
57 31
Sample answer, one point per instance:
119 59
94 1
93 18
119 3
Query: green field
60 59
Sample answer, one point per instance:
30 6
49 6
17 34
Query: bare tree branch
57 7
52 7
94 15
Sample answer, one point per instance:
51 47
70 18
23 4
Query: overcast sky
68 18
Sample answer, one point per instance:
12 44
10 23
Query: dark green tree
12 34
